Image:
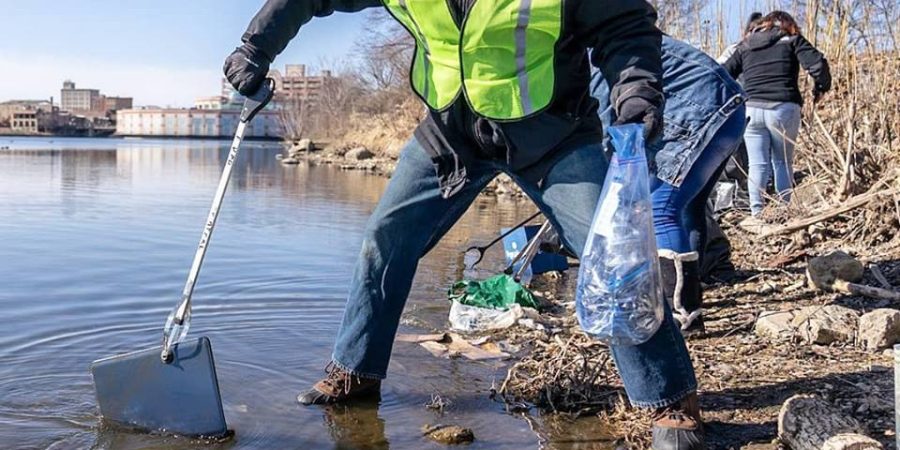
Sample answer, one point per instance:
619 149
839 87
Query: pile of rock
828 324
296 151
359 158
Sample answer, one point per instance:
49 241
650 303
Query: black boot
681 286
679 427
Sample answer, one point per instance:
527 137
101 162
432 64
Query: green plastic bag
497 292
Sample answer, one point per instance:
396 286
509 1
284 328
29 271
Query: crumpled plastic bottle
619 297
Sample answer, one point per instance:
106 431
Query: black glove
246 69
639 110
818 93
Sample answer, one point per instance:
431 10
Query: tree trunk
809 423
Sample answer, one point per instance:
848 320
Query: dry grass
849 142
385 133
574 375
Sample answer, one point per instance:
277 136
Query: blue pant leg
668 205
659 372
726 140
759 142
784 126
409 218
679 212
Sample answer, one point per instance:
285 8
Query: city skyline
166 54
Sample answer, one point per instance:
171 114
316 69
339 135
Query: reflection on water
97 236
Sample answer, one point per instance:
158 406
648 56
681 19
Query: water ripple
97 237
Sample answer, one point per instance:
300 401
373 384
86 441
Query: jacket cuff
254 50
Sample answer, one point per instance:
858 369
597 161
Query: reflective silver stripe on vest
521 63
426 59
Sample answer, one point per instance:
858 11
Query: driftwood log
866 291
807 422
849 205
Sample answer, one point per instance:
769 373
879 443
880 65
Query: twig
867 291
849 205
876 272
740 327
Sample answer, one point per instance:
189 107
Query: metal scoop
174 388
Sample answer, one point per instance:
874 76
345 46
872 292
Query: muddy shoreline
375 163
744 377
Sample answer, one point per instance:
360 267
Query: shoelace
337 379
674 414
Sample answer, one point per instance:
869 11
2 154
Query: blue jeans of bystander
679 213
770 137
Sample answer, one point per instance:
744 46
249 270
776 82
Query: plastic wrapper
472 319
619 297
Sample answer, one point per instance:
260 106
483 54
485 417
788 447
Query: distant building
24 122
211 103
28 116
195 122
90 102
295 84
72 99
113 104
8 108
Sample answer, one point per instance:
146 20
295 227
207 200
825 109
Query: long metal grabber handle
179 319
511 231
485 247
532 250
527 253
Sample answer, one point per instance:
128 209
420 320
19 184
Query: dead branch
849 205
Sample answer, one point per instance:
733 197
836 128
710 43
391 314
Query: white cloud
38 77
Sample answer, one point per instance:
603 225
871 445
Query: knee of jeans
664 212
384 236
663 208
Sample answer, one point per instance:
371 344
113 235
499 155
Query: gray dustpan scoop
173 388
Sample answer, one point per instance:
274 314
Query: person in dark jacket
752 22
506 83
704 119
769 59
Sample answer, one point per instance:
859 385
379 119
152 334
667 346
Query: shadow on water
97 239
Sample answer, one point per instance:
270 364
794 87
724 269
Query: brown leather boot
679 427
338 386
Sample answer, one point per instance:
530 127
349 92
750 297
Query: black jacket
626 47
770 63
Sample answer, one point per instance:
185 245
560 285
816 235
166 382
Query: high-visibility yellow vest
502 60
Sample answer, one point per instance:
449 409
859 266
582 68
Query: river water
96 236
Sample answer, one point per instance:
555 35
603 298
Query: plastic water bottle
619 296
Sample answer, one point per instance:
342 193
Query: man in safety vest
506 83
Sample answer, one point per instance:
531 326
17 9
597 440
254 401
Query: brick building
293 84
74 99
113 104
24 122
8 108
90 102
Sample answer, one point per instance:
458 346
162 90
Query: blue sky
162 52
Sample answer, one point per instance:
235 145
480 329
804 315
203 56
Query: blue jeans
679 213
411 218
771 136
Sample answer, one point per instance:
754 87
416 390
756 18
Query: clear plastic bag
619 297
471 319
